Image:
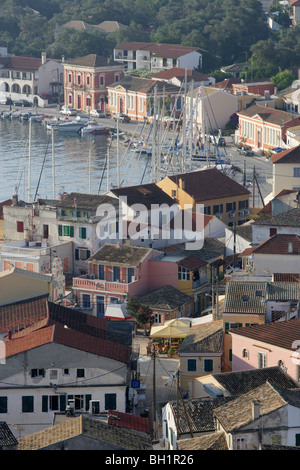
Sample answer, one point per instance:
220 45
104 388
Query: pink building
114 273
269 345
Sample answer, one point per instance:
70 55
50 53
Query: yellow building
217 193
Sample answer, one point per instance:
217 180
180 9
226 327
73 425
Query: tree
283 79
141 313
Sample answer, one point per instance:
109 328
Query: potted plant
172 351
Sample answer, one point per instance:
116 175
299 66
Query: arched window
16 88
245 353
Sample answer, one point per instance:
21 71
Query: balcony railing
87 282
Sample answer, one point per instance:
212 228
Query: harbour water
80 162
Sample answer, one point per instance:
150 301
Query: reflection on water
80 162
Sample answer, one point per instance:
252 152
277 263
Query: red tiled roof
267 114
209 184
286 277
246 252
159 50
268 207
281 334
21 63
287 156
179 72
191 263
70 338
19 315
128 421
279 244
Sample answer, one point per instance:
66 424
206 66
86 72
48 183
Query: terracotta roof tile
271 115
279 244
159 50
128 421
280 334
191 263
209 184
287 156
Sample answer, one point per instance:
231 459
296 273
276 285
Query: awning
177 328
116 311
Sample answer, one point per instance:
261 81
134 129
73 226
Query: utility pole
245 179
154 392
253 184
234 244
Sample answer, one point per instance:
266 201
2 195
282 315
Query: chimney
290 247
44 57
255 409
15 200
62 58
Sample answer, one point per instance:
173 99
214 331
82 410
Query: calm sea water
80 162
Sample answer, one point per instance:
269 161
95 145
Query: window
53 403
53 374
208 365
157 319
243 204
82 254
116 274
218 208
20 226
45 231
27 404
3 404
241 444
230 206
183 274
130 274
191 365
80 373
110 401
68 231
37 373
69 77
82 232
207 210
273 231
261 360
297 440
101 272
245 353
88 80
296 172
66 371
79 79
86 301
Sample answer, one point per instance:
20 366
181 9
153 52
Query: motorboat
92 127
67 125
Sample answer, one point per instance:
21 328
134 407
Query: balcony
86 282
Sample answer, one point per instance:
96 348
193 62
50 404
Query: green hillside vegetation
226 31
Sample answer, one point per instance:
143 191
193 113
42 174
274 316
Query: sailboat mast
53 164
29 163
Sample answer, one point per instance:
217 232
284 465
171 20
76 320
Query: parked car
68 110
97 113
21 103
122 118
6 101
221 142
245 150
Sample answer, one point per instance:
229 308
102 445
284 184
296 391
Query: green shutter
226 327
230 355
60 230
110 401
297 440
62 402
71 231
88 254
82 232
77 213
87 402
45 403
3 404
76 254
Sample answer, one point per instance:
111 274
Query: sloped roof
27 64
287 156
279 244
243 231
110 26
6 436
191 263
209 184
144 85
213 441
160 50
85 201
128 421
19 315
239 382
145 194
178 72
120 255
88 427
245 297
270 115
200 414
92 60
281 334
166 297
205 338
238 413
65 336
